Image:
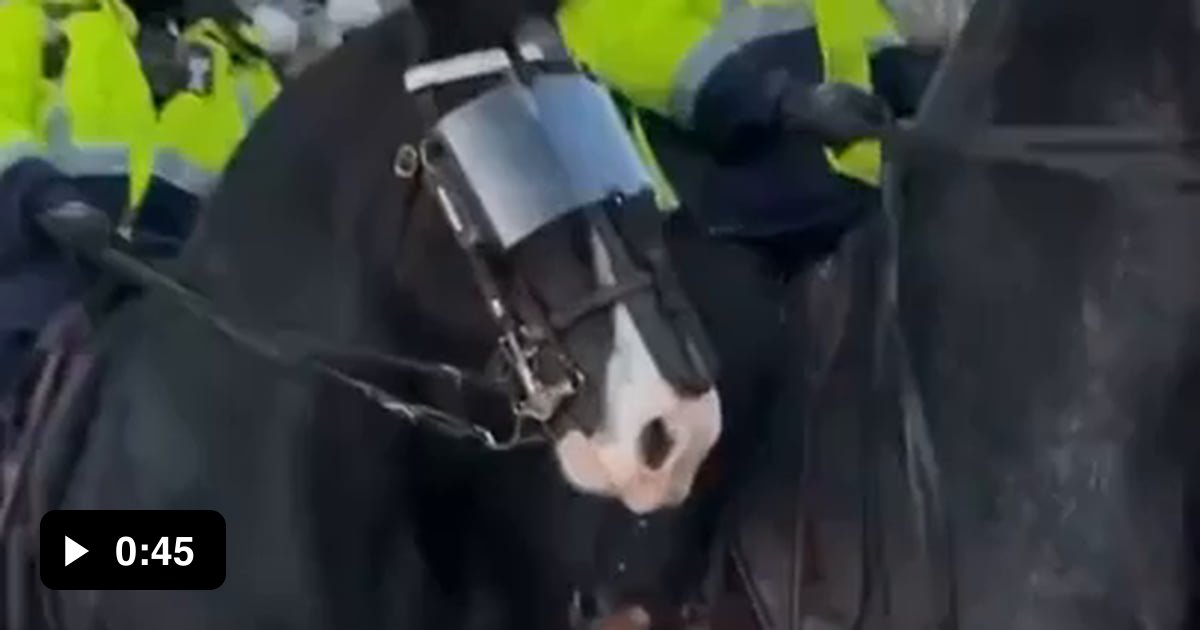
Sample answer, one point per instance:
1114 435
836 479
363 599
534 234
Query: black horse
1040 473
1052 310
341 514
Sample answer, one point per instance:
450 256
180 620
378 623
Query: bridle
541 373
536 373
527 345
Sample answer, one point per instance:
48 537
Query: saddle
796 525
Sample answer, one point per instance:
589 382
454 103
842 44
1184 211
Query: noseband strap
604 297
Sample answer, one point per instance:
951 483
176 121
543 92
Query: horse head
384 266
332 312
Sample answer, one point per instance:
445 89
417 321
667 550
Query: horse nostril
655 443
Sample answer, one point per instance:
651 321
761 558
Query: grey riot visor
530 153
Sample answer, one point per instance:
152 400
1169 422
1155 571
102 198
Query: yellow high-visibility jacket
683 60
199 128
72 93
21 90
661 53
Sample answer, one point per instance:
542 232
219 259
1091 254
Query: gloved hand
28 190
36 277
77 227
837 113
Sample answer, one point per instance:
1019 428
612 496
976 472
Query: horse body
1052 310
1047 249
339 514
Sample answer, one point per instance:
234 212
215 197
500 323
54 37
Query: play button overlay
72 551
111 550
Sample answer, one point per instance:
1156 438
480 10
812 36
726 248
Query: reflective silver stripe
91 160
12 153
739 26
96 159
465 66
177 171
58 128
246 104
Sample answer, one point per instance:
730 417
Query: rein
83 230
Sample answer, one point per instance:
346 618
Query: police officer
757 118
96 108
75 116
216 80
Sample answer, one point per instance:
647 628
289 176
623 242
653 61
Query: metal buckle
538 400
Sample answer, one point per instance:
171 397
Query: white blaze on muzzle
613 461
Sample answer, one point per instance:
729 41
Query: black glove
837 113
33 188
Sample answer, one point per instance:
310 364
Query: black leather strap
603 297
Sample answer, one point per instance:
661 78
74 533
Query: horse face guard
539 142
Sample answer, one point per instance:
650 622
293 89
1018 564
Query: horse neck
312 231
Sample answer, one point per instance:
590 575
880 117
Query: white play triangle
73 551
